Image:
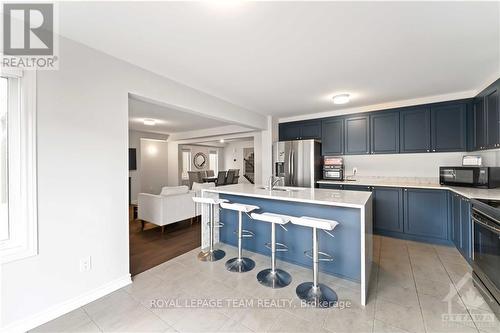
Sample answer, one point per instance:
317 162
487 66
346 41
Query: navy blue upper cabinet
300 130
492 107
479 123
388 209
426 213
332 136
448 127
357 135
415 132
384 130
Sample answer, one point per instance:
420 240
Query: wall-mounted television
132 159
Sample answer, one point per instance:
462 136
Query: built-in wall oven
486 249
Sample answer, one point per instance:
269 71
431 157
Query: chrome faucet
272 182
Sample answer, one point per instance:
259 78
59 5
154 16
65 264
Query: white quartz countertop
350 199
468 192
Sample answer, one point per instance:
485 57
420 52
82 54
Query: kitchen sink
281 189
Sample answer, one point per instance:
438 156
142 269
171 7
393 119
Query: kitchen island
352 246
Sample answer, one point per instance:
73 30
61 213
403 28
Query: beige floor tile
445 316
258 320
408 318
472 297
201 320
234 326
288 323
485 321
74 321
431 272
406 296
381 327
351 319
434 288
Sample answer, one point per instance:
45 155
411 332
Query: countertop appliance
471 176
297 163
333 168
486 249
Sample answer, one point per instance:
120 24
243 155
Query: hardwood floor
150 247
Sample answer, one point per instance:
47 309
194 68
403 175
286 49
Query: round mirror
199 160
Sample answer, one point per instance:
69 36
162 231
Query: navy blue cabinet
426 213
331 186
300 130
384 130
415 130
357 188
387 209
332 136
461 225
479 124
492 107
357 135
448 127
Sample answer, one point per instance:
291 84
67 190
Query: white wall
83 181
154 165
134 141
233 157
411 165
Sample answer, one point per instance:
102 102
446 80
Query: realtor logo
28 35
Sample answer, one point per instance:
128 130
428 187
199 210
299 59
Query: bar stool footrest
326 256
280 247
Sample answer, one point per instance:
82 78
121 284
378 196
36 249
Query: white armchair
172 205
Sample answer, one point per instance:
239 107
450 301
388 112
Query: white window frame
215 168
22 241
185 177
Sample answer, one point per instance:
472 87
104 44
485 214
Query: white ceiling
168 120
288 58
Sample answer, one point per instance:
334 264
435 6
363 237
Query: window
213 161
18 209
186 164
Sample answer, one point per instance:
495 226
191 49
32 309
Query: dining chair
221 178
230 177
210 173
194 176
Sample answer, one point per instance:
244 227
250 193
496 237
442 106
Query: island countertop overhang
336 198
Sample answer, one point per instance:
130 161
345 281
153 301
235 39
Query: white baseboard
60 309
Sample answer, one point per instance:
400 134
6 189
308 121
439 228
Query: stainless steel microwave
471 176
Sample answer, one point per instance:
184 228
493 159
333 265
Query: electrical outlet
86 264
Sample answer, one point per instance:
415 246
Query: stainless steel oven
486 248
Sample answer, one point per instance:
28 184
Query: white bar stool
240 264
315 293
274 277
211 254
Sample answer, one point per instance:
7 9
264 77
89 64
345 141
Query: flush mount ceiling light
341 99
221 140
149 122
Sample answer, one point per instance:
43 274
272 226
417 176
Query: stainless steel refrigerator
297 163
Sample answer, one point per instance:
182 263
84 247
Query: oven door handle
487 226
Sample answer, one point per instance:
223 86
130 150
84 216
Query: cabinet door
289 131
492 118
479 123
332 137
356 135
384 129
357 188
388 209
466 229
456 226
310 130
426 213
331 186
448 123
415 134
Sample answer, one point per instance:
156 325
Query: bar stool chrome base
277 279
321 296
211 255
240 265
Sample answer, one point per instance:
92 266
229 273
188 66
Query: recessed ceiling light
221 140
341 99
149 122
